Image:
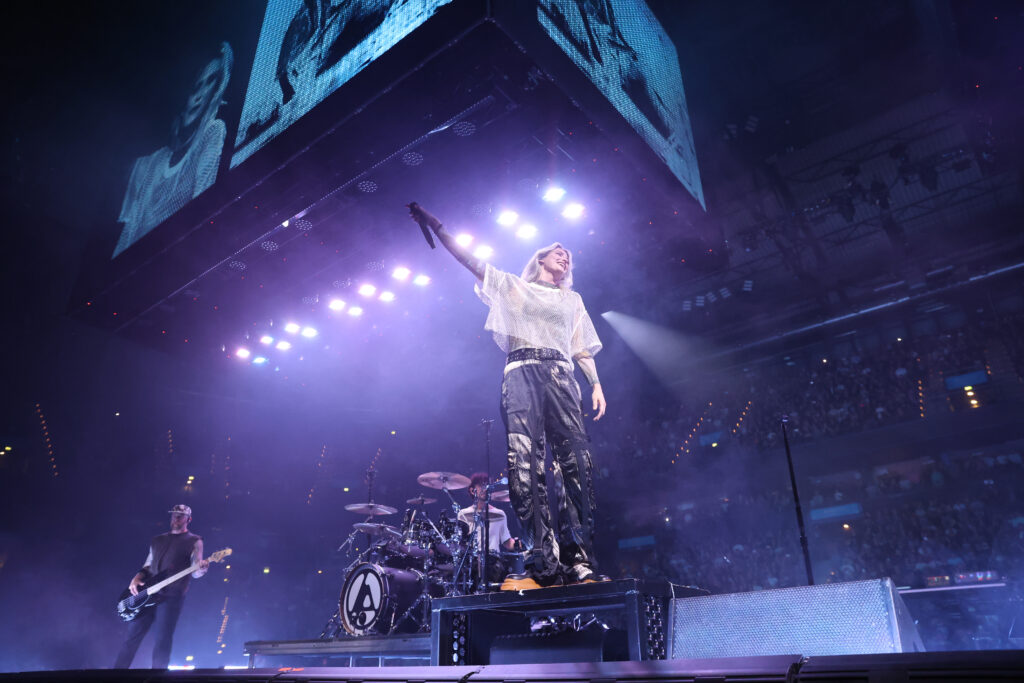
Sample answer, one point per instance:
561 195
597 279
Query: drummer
499 536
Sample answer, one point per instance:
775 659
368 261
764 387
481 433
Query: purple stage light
292 328
464 239
507 218
367 289
336 305
387 296
526 231
259 360
421 280
283 345
573 211
242 352
308 332
266 339
401 273
355 311
483 252
553 194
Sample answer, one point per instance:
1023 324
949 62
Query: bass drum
375 597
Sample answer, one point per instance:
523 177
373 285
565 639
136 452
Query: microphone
413 207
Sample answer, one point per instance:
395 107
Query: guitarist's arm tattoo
197 557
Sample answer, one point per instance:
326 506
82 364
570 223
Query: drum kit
389 586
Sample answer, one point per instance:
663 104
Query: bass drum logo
362 601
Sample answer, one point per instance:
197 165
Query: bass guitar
129 606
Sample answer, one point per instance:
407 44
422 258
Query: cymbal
501 496
443 480
371 509
421 500
375 529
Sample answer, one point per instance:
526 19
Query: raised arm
428 220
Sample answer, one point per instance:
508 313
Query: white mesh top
531 315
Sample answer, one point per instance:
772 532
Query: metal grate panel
857 617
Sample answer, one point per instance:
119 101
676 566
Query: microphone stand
485 539
796 503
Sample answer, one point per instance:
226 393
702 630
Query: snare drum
374 598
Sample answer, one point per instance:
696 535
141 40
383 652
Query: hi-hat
500 496
371 509
443 480
376 529
421 500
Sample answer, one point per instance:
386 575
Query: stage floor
998 665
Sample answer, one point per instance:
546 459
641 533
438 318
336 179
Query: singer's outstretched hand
429 222
423 217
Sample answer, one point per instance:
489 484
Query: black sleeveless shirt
171 554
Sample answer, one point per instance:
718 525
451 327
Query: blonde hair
531 273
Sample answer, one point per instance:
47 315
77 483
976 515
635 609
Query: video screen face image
310 48
164 181
623 49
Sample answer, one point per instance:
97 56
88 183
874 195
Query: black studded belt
535 354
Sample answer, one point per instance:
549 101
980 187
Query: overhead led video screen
163 181
625 52
310 48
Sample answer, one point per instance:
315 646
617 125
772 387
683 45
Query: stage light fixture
526 231
308 332
483 252
387 296
292 328
421 280
283 345
259 360
401 273
554 194
336 305
464 239
242 352
266 339
367 289
355 311
507 218
573 211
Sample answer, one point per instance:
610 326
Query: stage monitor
627 55
308 49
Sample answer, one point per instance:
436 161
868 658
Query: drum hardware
382 600
404 567
445 481
421 500
371 509
376 529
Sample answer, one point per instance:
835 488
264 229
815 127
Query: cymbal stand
459 558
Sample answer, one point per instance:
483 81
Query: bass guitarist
169 553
